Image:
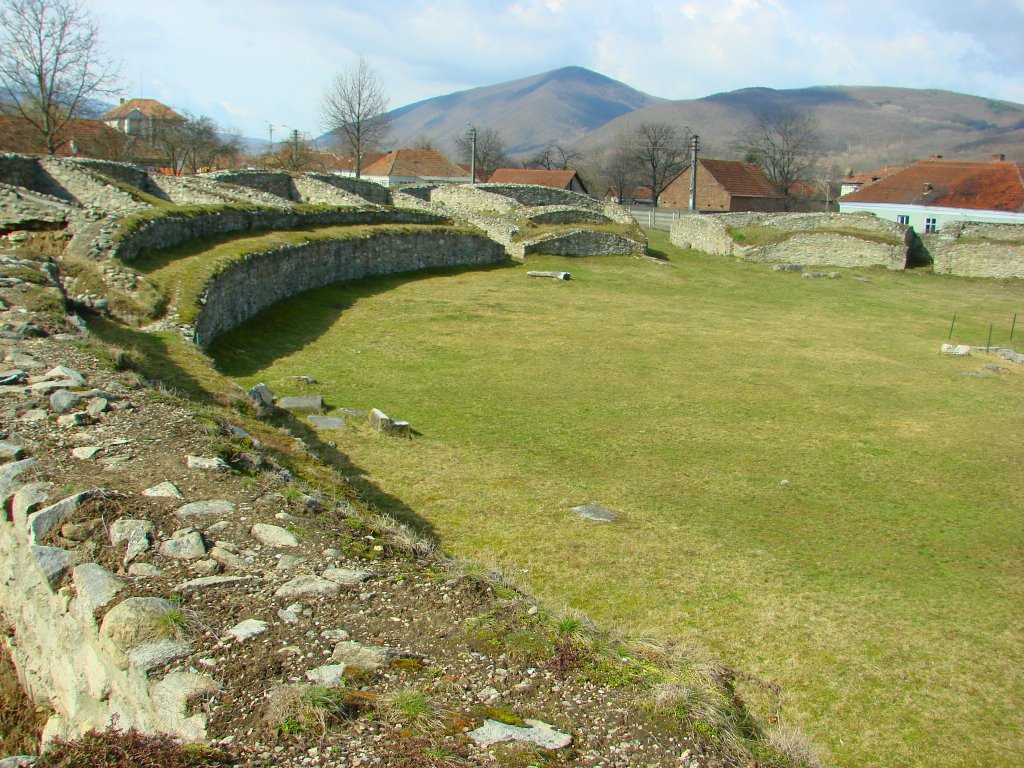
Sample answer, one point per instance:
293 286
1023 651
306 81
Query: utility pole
472 158
270 145
295 148
694 146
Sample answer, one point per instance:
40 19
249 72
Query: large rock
40 523
247 629
63 401
359 656
133 622
535 732
302 404
329 675
261 395
274 535
594 512
11 450
158 653
207 463
138 534
307 586
164 490
346 577
185 544
208 508
95 585
54 562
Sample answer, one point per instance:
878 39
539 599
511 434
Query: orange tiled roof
873 176
148 107
538 177
91 138
741 179
995 186
418 163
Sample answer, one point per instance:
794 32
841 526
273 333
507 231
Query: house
724 186
411 166
568 179
141 118
858 180
78 138
930 193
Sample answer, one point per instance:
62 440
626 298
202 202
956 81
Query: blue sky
249 62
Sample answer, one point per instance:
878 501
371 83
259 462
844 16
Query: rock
207 567
302 404
207 463
261 395
158 653
77 532
536 732
27 499
41 522
306 586
185 544
9 450
9 472
212 582
290 562
172 695
72 420
133 622
96 407
18 761
556 275
288 616
247 629
54 562
95 586
334 635
208 508
346 576
65 373
328 674
379 420
63 401
787 268
164 490
961 350
139 535
84 453
359 656
326 422
273 535
594 512
144 571
33 415
228 559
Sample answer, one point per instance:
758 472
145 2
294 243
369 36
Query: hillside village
195 573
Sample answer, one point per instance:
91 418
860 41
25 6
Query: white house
411 166
932 193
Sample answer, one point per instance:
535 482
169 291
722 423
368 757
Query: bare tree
50 63
354 107
660 152
618 169
425 142
555 157
786 144
197 143
490 151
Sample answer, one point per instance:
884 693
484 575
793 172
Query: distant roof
994 186
538 177
869 177
741 179
91 138
418 163
148 107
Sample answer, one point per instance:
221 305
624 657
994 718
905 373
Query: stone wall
18 170
126 172
276 183
530 195
247 286
584 242
977 250
559 214
169 231
91 677
829 250
702 233
465 198
374 193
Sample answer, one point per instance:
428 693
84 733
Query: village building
78 138
930 193
412 166
724 186
568 179
141 118
855 181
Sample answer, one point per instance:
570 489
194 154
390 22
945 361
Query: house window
903 219
930 225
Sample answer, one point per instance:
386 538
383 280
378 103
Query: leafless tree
50 62
555 157
197 143
786 144
423 141
354 107
490 151
619 169
660 152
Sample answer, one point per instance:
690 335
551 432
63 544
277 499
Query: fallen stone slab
207 463
273 535
10 471
245 630
302 404
213 582
326 422
594 512
13 377
290 562
228 559
144 571
207 508
34 414
381 422
555 275
307 586
346 577
164 490
96 407
535 732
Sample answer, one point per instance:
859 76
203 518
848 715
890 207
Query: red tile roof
91 138
537 177
418 163
872 176
148 107
995 186
740 179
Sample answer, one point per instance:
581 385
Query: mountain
861 126
561 106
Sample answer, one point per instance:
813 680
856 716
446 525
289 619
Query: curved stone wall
584 242
564 215
276 183
172 230
247 286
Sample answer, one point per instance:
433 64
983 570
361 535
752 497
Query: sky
250 64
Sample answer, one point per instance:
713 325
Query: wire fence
1003 331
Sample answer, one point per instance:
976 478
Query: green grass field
881 586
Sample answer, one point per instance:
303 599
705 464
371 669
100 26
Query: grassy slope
882 587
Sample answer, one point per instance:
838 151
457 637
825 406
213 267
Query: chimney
998 157
935 157
927 187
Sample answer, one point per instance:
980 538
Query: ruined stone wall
247 286
126 172
169 231
702 233
19 170
465 198
584 242
977 250
829 250
374 193
803 222
276 183
563 215
529 194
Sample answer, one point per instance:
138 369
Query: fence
656 218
